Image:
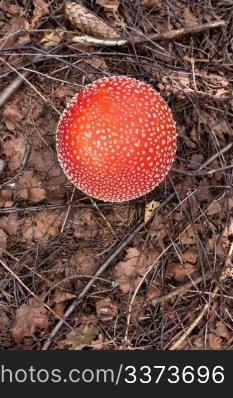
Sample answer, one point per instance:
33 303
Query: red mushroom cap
116 140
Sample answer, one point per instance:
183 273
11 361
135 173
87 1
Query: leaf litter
53 236
29 318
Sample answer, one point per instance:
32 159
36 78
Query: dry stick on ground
228 271
176 33
88 286
170 35
13 87
102 268
93 41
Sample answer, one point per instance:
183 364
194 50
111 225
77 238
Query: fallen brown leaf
221 330
190 256
180 83
12 113
152 293
150 68
228 231
56 178
61 296
65 92
59 308
105 309
215 208
42 225
185 186
14 150
159 228
6 197
14 9
42 160
28 319
28 188
83 263
80 337
179 271
86 319
9 224
125 271
129 272
184 133
40 9
222 129
215 342
198 343
216 245
189 17
120 215
38 110
84 224
97 62
53 38
188 237
150 3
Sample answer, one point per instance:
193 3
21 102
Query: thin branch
119 248
176 33
13 87
88 286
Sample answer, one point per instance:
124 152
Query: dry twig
177 33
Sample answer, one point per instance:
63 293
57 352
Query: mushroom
116 140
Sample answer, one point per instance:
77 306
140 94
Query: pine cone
87 22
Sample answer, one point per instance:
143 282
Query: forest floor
162 284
